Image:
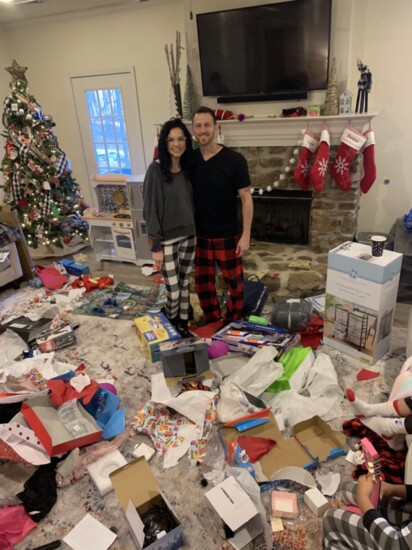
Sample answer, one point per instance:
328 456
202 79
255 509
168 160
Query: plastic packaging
74 422
214 462
292 314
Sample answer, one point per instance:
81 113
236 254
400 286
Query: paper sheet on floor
325 395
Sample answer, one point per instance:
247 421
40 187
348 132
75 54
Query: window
108 129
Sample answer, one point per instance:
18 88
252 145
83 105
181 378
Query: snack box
154 329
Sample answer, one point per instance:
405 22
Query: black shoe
175 321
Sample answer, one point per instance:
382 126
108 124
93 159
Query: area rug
110 348
122 301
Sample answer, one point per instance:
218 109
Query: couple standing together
190 208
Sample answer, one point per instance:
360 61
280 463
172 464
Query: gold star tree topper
16 71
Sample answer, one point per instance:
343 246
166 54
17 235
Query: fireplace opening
282 216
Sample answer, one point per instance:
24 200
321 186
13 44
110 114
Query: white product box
361 292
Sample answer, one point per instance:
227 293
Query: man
220 175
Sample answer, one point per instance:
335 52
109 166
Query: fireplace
282 216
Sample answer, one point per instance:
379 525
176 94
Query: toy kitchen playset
117 228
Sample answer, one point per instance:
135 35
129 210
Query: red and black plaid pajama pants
222 252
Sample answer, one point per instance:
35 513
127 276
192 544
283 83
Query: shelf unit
116 232
357 328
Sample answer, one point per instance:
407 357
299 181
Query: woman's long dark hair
164 155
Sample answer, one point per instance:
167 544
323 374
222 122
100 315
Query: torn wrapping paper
20 444
258 373
170 430
325 395
329 482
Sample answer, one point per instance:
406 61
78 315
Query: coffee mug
378 244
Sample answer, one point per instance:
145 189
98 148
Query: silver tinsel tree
331 106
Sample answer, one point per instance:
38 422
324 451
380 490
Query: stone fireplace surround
268 144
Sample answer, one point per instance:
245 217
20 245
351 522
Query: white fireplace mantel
263 130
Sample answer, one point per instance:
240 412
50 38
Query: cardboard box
185 358
154 329
313 442
26 328
10 217
284 505
41 415
361 294
249 338
74 268
56 339
232 503
137 491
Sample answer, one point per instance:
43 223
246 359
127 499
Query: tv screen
269 49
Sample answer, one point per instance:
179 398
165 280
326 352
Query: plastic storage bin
364 237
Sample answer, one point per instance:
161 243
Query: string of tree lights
38 181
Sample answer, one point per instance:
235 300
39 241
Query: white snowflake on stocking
341 165
322 167
304 166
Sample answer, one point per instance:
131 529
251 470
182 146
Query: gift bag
51 277
255 294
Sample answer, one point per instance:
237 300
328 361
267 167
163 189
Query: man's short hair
205 110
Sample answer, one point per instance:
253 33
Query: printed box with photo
361 293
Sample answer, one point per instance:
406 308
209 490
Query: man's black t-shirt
215 185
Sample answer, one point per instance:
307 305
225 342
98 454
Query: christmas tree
38 182
331 106
191 102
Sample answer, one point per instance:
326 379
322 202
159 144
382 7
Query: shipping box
313 442
138 493
361 293
153 329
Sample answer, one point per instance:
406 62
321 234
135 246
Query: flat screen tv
272 51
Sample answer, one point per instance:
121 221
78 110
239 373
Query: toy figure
364 87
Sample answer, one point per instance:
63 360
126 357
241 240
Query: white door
109 121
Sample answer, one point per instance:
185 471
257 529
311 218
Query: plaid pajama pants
177 266
222 252
343 530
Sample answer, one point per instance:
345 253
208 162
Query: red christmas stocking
351 142
320 166
309 146
369 166
156 145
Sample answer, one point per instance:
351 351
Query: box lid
355 260
134 481
318 438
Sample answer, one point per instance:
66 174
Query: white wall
382 38
57 47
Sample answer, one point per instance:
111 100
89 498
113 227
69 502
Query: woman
169 214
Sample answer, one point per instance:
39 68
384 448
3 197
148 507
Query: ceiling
20 12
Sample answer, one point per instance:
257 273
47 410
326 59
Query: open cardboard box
314 442
138 492
41 415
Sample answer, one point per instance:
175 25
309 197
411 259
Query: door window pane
108 131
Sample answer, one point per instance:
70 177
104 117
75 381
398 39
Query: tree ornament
331 106
17 71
